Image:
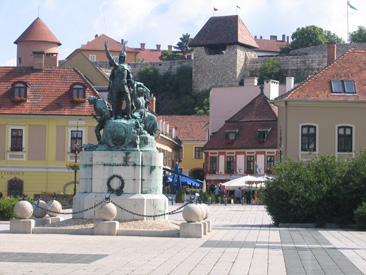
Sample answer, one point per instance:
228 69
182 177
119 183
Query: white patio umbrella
246 181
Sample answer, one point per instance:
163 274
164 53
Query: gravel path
143 224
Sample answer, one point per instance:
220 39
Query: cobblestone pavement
243 241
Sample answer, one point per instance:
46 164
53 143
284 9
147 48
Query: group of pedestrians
220 191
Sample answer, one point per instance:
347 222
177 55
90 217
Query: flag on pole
352 7
238 7
216 9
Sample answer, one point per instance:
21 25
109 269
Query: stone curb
120 232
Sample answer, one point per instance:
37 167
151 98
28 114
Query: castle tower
221 49
37 38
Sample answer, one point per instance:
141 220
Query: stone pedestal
23 226
191 230
140 174
106 228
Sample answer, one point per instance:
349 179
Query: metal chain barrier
69 213
107 199
176 211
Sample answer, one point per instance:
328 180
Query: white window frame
18 153
71 156
316 137
92 57
353 140
194 152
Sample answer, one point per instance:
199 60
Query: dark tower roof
224 30
38 31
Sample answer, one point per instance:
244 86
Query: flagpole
347 24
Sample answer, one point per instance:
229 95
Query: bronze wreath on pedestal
119 190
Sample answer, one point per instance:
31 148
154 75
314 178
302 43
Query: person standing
217 194
248 195
222 193
238 195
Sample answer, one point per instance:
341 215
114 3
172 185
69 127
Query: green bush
180 196
360 216
317 191
7 207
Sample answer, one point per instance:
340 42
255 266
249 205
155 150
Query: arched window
15 187
20 89
78 90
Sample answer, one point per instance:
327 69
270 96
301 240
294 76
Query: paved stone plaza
243 241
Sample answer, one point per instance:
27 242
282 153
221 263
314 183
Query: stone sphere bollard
54 206
40 209
203 211
207 211
107 211
192 213
23 210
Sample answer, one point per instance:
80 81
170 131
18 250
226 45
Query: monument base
137 175
135 204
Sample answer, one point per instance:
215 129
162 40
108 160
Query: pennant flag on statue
352 7
238 7
218 9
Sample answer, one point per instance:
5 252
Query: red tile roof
97 44
350 66
188 127
258 114
148 55
224 30
49 91
37 31
269 45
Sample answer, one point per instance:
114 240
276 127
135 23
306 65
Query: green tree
168 55
271 69
202 100
332 37
183 44
358 36
307 36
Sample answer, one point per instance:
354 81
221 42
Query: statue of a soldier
120 82
103 110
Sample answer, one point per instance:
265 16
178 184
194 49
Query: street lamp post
75 171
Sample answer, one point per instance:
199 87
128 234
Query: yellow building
191 131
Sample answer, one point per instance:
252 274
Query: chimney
283 38
96 35
332 52
290 80
152 103
38 61
288 39
158 47
271 88
273 37
142 46
260 37
255 37
170 47
251 81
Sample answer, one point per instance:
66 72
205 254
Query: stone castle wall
238 62
162 67
219 69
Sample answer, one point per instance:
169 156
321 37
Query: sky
75 22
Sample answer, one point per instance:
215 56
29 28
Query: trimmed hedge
321 190
7 207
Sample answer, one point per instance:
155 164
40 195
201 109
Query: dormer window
231 135
262 134
343 87
78 93
78 90
20 91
